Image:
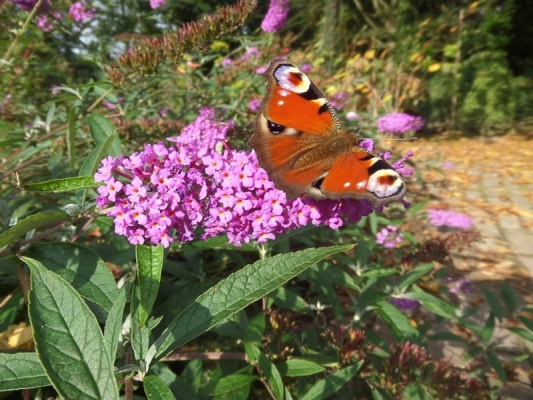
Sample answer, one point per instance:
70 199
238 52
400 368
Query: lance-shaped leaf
67 338
234 293
332 383
149 266
31 222
156 389
80 267
63 184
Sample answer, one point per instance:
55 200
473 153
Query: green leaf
82 268
299 367
254 334
415 391
62 184
156 389
509 297
192 374
370 296
230 383
21 371
290 300
113 324
67 338
31 222
149 267
271 373
432 303
494 303
497 365
335 276
525 334
447 336
528 322
140 341
396 320
488 329
379 272
414 275
332 383
92 161
107 142
221 242
236 292
101 130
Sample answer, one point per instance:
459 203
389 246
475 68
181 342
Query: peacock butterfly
300 143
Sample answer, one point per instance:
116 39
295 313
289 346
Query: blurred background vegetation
462 65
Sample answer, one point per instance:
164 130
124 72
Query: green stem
21 31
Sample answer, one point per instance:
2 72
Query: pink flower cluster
450 219
254 105
191 189
399 123
80 12
28 5
389 237
154 4
276 16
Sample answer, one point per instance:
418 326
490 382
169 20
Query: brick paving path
498 193
516 231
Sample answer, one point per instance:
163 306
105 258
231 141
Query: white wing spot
347 184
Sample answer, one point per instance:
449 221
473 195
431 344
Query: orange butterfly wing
290 90
300 143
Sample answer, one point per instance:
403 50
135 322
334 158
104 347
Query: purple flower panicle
389 237
404 304
450 219
276 16
154 4
80 12
254 105
338 100
250 53
28 5
226 62
44 24
459 285
399 123
166 193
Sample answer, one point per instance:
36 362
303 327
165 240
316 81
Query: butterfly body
300 143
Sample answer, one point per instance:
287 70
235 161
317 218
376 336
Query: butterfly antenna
367 118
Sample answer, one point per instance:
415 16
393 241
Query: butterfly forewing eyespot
291 78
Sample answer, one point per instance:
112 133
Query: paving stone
516 192
510 222
526 262
472 193
520 241
488 230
